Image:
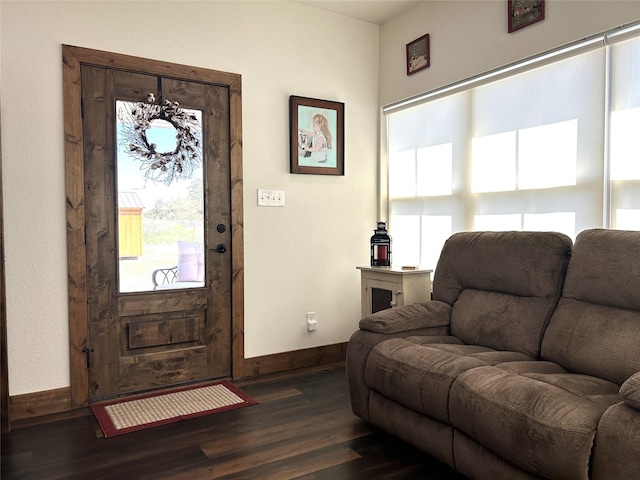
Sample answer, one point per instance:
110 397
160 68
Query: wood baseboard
30 405
287 361
36 404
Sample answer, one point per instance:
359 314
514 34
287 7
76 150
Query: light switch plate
270 198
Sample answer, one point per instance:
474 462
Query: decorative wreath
158 166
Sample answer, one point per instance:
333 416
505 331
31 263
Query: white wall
299 258
470 37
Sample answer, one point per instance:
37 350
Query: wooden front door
149 337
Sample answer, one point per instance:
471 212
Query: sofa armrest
630 391
417 319
408 317
616 448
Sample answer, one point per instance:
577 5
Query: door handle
221 248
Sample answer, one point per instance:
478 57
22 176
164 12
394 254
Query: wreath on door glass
164 167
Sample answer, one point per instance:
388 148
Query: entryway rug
129 415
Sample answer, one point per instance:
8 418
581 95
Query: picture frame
316 136
523 13
418 54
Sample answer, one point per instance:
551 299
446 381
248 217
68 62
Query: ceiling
373 11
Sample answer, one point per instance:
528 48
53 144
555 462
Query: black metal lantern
381 247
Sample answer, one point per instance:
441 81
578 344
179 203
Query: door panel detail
162 331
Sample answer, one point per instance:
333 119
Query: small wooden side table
388 287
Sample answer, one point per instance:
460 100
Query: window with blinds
552 143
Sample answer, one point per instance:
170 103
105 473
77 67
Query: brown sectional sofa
525 365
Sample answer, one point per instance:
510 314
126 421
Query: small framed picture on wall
418 54
523 13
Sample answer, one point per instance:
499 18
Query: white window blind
625 134
554 144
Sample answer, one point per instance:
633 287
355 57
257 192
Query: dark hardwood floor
303 428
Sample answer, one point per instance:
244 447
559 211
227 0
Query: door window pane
160 224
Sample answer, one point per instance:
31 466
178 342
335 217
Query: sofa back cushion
596 327
503 286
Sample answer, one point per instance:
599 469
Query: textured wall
470 37
297 259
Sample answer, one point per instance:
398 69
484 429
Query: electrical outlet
312 322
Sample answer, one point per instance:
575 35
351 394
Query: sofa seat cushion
542 422
419 375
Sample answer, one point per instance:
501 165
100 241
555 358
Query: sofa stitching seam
533 419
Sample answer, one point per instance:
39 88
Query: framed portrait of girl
316 136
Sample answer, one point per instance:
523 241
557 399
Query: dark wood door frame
73 58
4 368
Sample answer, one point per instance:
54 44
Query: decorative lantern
381 247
